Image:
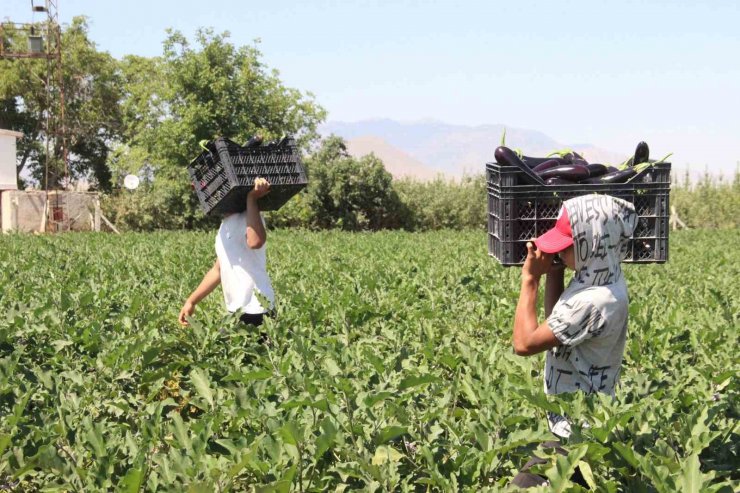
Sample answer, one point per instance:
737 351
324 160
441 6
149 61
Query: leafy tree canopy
92 88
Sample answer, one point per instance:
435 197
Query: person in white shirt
241 264
585 329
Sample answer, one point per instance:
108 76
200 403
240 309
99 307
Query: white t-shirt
590 318
243 269
591 325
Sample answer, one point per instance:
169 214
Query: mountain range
425 149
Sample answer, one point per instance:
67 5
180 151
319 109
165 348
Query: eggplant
507 157
255 141
578 159
550 163
559 181
615 177
533 162
611 169
574 172
595 170
642 154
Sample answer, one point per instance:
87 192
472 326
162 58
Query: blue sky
610 73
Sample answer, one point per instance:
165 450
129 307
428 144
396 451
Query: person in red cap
585 329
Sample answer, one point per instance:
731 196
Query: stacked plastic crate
224 173
520 209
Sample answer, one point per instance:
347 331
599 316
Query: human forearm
554 286
256 234
525 317
210 282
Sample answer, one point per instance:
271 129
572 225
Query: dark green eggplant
551 163
574 172
642 154
615 177
559 181
595 170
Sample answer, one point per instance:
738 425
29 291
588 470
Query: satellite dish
131 182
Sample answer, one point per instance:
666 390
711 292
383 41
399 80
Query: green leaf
291 433
587 474
373 399
248 376
415 381
626 452
385 453
132 481
327 438
181 433
389 433
691 479
331 367
4 441
202 386
94 437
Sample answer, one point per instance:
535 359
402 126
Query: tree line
146 115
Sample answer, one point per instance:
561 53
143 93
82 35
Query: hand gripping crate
519 209
224 174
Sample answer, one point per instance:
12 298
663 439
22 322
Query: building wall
8 175
23 211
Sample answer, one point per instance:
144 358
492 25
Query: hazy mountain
426 148
396 161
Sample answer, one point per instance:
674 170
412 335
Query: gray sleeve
575 321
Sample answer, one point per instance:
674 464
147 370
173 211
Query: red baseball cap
558 238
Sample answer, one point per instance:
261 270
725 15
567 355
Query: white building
32 210
8 175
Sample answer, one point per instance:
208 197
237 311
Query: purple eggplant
533 162
507 157
615 177
642 154
574 172
578 159
550 163
595 170
558 181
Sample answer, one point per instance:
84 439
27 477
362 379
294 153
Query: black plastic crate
223 175
519 210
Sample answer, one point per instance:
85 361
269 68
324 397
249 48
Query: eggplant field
389 367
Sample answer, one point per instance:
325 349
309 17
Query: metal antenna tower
50 49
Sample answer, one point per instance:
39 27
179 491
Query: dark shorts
256 319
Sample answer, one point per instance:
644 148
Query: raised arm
210 282
528 336
256 234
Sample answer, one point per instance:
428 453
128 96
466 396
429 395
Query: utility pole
51 51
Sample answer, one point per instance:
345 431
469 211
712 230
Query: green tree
351 194
199 92
445 204
92 119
